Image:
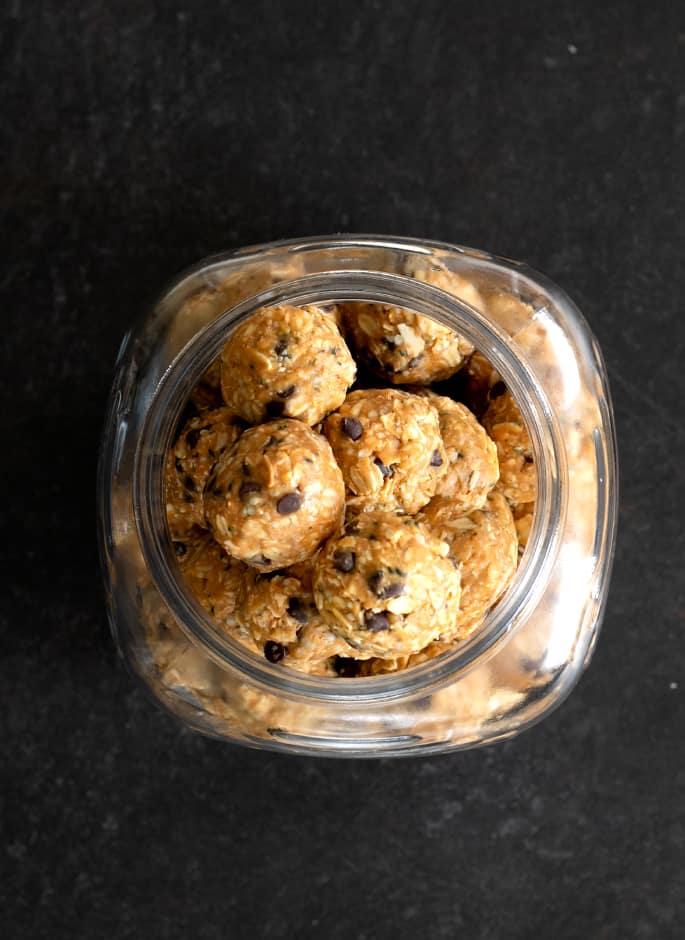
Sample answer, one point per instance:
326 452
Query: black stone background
138 137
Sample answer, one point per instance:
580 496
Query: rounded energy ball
386 586
216 580
389 447
279 612
484 544
406 347
504 424
276 495
286 361
189 463
472 466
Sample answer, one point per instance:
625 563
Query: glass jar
533 645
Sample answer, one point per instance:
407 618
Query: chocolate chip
352 427
274 409
374 581
394 589
291 502
281 346
386 472
413 363
192 437
259 560
497 390
436 459
376 622
247 488
189 483
274 652
181 549
528 459
344 561
287 392
296 610
346 667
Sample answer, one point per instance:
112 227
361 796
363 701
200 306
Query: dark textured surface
137 137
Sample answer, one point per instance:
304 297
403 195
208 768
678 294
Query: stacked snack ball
189 463
214 577
472 465
286 361
273 498
405 347
279 613
503 422
389 448
484 545
386 585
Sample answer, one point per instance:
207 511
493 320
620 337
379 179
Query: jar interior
386 286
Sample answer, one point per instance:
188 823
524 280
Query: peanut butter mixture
407 348
286 362
472 465
386 585
272 499
389 447
189 462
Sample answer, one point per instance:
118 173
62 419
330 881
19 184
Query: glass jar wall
533 645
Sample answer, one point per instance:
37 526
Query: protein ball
215 579
389 447
275 496
504 424
189 462
279 608
386 586
286 361
485 547
406 347
472 466
275 607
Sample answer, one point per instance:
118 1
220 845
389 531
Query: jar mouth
337 286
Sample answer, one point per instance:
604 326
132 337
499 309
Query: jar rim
185 371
